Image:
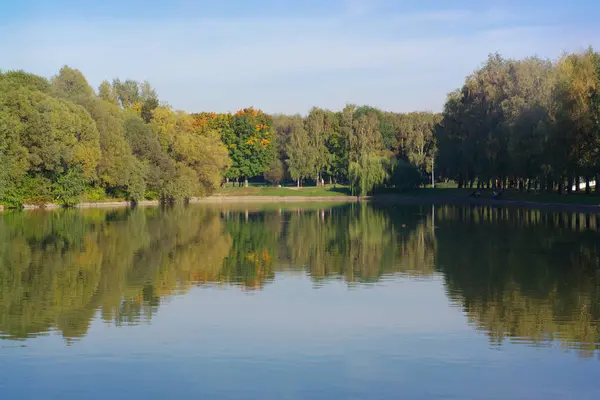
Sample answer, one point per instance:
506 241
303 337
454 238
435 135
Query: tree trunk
560 186
298 182
570 183
245 182
587 185
577 186
597 183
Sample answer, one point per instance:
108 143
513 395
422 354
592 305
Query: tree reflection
526 276
520 275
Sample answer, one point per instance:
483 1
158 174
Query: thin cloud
396 62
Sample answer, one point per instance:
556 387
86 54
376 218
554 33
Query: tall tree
300 154
249 138
366 163
319 124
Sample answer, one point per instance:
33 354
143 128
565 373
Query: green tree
300 154
319 125
249 140
107 93
276 172
366 164
71 84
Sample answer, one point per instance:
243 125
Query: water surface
308 301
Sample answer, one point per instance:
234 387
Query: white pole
432 173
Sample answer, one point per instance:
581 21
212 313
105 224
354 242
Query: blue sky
286 56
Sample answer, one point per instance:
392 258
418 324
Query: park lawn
450 191
291 191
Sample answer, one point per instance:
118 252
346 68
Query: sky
288 56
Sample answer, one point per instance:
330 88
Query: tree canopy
527 124
61 142
531 124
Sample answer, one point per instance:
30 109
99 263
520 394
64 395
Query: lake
309 301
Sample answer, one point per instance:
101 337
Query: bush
406 176
36 191
94 194
69 188
12 196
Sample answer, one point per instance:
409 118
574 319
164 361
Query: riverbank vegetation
530 125
60 141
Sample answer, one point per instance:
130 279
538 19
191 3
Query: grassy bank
441 192
291 191
275 197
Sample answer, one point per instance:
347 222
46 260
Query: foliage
68 188
248 136
524 123
300 154
530 123
276 172
406 176
59 140
366 164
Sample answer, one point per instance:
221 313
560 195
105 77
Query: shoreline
382 199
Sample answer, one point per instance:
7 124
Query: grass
275 206
442 190
291 191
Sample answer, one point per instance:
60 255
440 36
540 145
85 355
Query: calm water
301 302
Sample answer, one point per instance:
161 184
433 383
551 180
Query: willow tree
319 125
301 155
367 165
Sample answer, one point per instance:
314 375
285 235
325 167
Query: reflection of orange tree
250 261
58 268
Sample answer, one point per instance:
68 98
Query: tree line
529 124
62 141
362 146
